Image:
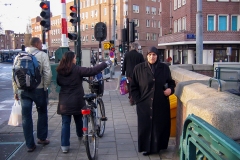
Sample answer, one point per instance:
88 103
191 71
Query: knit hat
154 50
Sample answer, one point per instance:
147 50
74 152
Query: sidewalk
118 143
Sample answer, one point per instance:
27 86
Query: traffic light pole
113 37
79 50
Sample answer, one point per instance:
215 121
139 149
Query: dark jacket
131 59
153 108
71 93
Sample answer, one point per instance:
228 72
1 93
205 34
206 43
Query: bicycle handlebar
91 81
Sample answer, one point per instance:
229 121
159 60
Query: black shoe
146 153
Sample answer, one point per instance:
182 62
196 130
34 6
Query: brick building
221 23
11 40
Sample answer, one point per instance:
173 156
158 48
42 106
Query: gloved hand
108 62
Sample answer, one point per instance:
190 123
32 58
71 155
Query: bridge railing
200 140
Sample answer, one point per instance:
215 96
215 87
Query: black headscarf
153 66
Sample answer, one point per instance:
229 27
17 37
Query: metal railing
200 140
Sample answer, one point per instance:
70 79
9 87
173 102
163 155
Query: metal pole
113 36
199 33
44 48
79 50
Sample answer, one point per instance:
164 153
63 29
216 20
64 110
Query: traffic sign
106 45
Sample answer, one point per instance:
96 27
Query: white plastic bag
15 118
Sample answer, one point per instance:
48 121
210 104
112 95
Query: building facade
221 35
11 40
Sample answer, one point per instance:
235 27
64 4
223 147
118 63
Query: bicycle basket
97 87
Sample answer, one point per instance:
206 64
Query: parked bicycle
94 118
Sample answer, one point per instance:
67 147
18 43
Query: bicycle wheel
90 141
101 119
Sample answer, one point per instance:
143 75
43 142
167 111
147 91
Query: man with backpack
29 87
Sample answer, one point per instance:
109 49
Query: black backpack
26 71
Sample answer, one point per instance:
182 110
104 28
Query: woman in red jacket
69 78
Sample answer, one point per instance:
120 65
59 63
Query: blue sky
14 17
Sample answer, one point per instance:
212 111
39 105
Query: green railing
202 141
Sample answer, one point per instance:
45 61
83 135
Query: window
105 11
234 23
175 26
92 2
147 10
137 36
154 10
136 21
222 23
125 10
92 14
179 25
175 4
211 23
83 15
86 26
147 23
92 26
184 23
179 3
86 15
86 38
135 9
148 36
154 24
93 38
96 13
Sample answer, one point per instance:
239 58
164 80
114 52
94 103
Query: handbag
123 86
15 118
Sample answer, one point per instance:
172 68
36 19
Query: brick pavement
118 143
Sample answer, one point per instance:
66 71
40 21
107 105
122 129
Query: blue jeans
39 96
66 122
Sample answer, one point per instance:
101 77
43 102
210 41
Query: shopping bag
123 86
15 118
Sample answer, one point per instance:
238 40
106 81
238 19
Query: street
6 92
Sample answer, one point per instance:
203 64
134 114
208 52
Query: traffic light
124 35
72 36
100 31
132 32
120 48
73 15
46 15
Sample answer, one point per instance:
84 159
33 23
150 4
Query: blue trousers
66 122
40 97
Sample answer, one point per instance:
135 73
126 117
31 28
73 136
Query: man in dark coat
131 59
151 87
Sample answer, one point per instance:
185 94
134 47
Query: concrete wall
220 109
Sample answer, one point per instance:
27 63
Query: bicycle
94 119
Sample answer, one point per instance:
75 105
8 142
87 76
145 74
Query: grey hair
34 41
134 46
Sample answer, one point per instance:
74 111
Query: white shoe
65 149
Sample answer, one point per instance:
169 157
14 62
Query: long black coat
131 59
153 107
71 93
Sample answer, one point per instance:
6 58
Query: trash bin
173 110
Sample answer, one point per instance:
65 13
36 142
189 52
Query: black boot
146 153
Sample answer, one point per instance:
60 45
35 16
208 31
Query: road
6 92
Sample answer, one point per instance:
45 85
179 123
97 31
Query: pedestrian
131 59
168 61
70 78
151 87
39 96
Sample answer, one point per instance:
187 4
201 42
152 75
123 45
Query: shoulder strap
35 53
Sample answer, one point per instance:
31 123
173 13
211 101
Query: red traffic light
44 6
73 8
